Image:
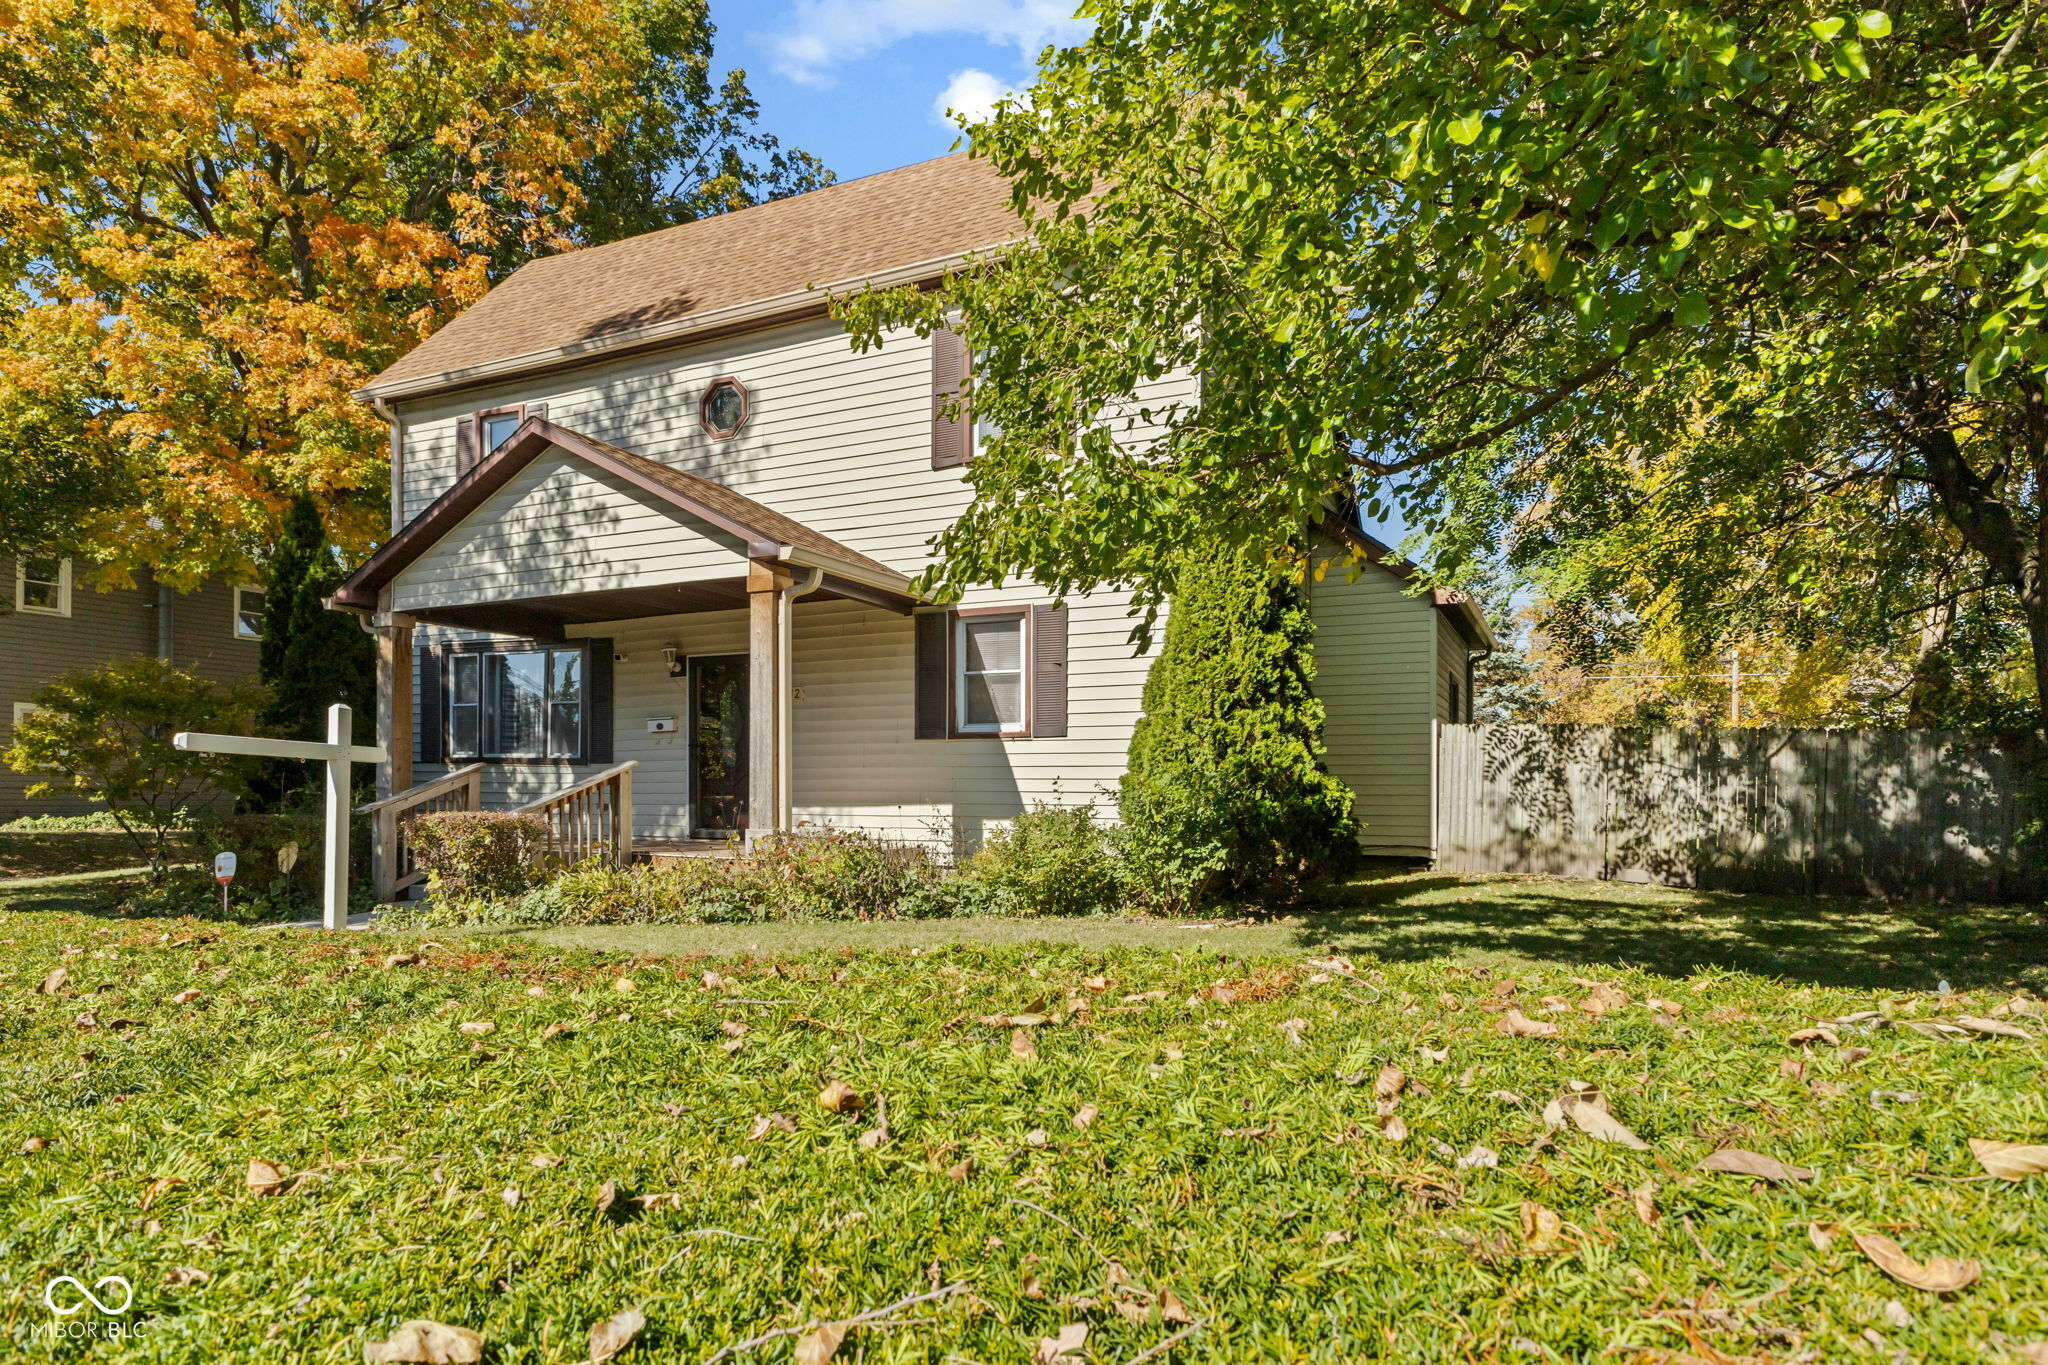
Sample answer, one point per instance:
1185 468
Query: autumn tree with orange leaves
220 218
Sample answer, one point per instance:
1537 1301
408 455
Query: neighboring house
53 623
648 504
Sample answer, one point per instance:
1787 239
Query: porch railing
591 818
391 865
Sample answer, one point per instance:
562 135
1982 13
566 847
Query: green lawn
48 853
594 1149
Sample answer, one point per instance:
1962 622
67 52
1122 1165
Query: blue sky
862 83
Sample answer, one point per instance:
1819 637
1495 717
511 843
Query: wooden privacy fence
1919 813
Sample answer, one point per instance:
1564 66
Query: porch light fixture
725 408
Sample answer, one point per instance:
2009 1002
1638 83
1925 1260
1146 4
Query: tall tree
220 217
1458 255
310 657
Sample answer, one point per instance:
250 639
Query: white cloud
818 35
970 97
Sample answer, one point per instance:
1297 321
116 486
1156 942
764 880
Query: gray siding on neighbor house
1380 674
102 627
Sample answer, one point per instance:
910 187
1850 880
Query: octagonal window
725 408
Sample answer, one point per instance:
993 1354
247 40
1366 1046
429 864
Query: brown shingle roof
608 296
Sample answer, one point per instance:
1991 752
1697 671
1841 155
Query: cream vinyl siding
561 526
1376 653
1451 652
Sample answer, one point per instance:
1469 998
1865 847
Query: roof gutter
740 316
797 556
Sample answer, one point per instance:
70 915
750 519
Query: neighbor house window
248 613
526 703
988 655
43 585
22 711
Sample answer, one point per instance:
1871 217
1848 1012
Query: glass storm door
718 742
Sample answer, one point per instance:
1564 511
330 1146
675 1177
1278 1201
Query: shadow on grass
1818 940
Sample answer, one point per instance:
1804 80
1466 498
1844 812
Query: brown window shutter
533 410
1048 672
951 436
932 681
431 724
465 445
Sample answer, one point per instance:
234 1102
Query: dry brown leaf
33 1144
607 1195
179 1276
1589 1112
626 985
431 1343
1022 1044
821 1345
840 1098
1666 1007
185 997
1085 1116
1938 1276
558 1029
1517 1025
874 1137
1479 1158
1806 1037
1095 983
543 1160
1645 1201
960 1170
1054 1350
1389 1083
1736 1161
764 1124
1822 1235
477 1028
1995 1027
1895 1313
733 1028
1293 1028
667 1199
2009 1160
614 1334
1604 999
733 1045
2033 1352
403 960
1392 1129
510 1194
1171 1309
58 982
1030 1288
264 1178
1792 1068
1542 1230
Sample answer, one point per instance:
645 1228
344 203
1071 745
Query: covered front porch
559 574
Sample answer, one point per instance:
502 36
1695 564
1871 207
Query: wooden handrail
391 865
594 814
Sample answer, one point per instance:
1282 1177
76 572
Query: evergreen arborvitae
1224 795
310 657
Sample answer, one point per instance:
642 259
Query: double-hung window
990 678
526 703
43 586
248 613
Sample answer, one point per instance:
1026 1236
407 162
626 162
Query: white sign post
338 754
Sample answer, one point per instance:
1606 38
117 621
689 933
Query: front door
718 742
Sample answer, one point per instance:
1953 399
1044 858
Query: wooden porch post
394 698
766 583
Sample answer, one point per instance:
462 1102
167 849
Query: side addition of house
649 507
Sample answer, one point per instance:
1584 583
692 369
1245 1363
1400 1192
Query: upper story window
989 677
43 586
725 408
526 703
480 433
248 613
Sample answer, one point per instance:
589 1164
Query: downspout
396 459
785 699
165 646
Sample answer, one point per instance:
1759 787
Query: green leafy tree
310 657
1225 795
1469 258
105 734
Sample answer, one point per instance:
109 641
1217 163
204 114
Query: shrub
487 854
1051 860
105 733
844 874
1224 796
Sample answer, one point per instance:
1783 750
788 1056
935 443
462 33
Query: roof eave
739 317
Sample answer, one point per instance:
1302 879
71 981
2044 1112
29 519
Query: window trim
956 676
704 408
235 619
63 582
22 710
457 651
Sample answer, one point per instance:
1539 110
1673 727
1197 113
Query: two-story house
55 623
649 505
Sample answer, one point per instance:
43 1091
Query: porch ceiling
543 618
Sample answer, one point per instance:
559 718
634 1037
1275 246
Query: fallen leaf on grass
1085 1116
764 1124
427 1342
1479 1158
1587 1110
264 1178
1389 1083
1392 1129
510 1194
1054 1350
1022 1044
1806 1037
960 1170
1542 1230
2009 1160
626 985
57 982
185 997
607 1195
733 1028
1792 1068
668 1199
33 1144
840 1098
179 1276
1645 1201
614 1334
1293 1029
1995 1027
543 1160
1736 1161
1517 1025
1938 1276
558 1029
402 960
1603 1000
1822 1235
1895 1313
821 1345
477 1028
